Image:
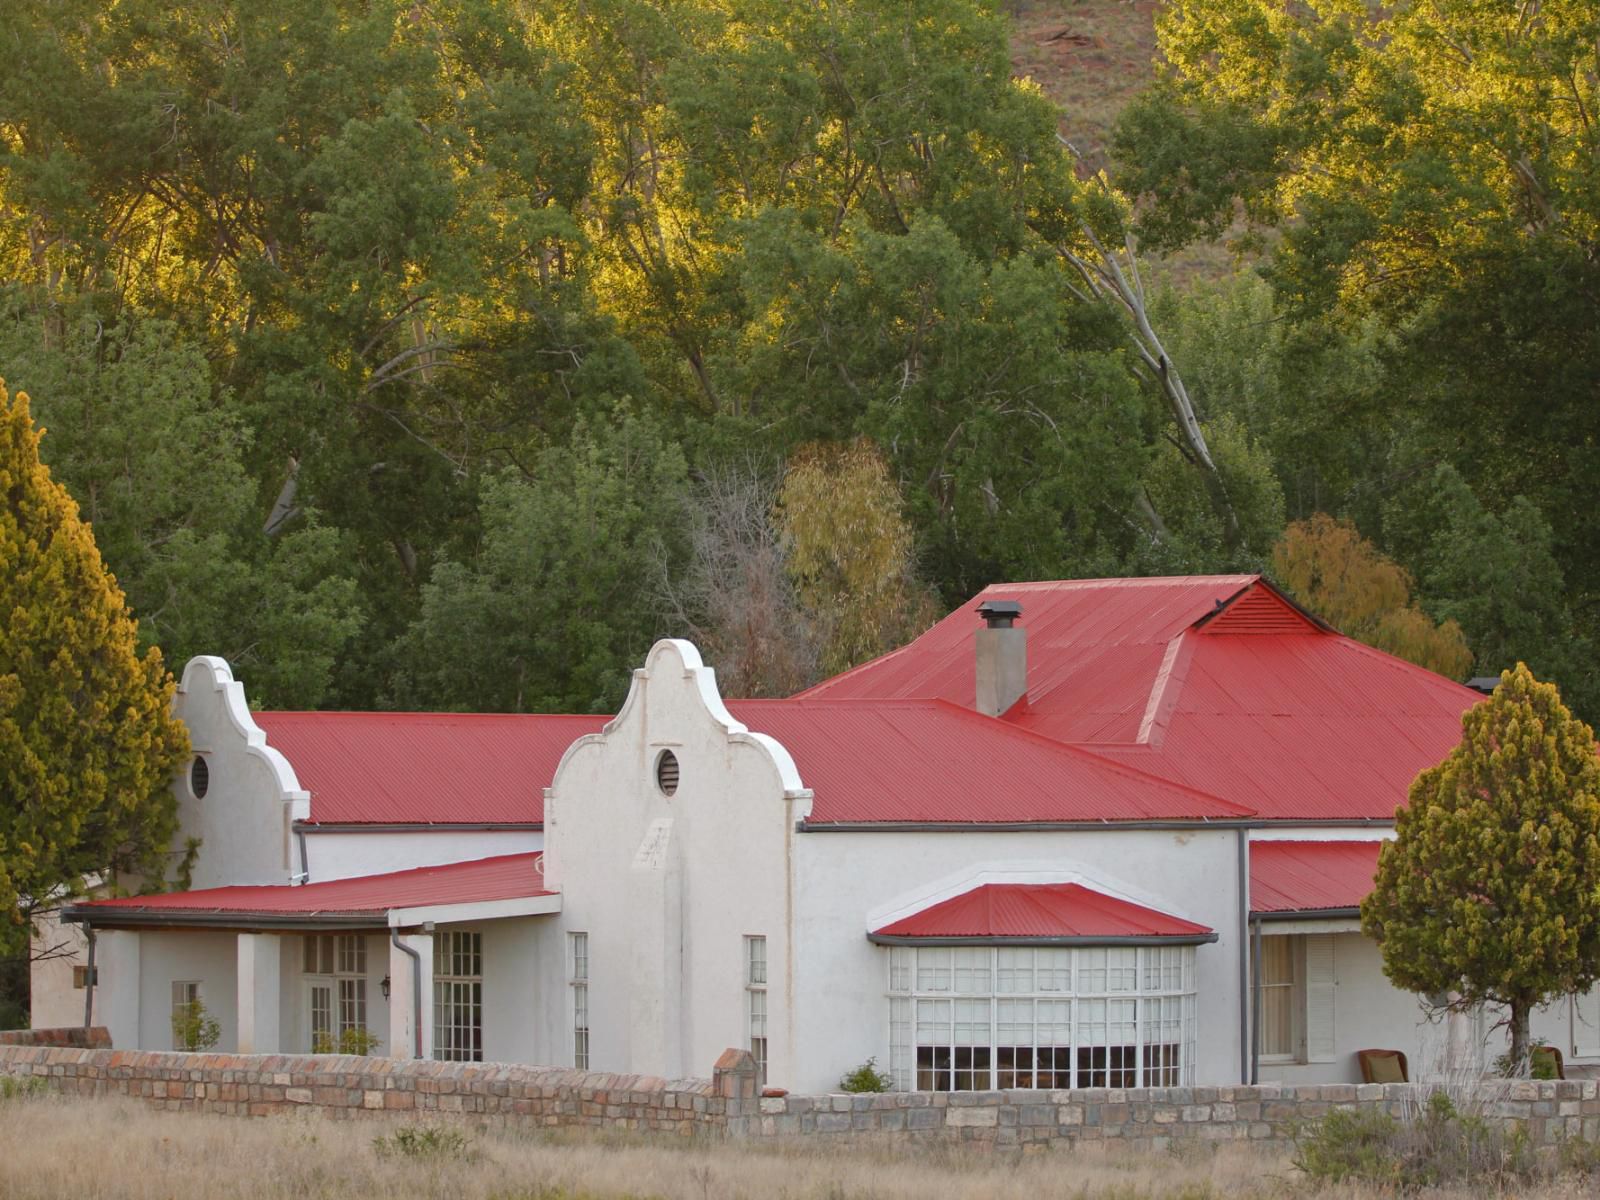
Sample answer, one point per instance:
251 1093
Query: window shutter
1319 998
1586 1024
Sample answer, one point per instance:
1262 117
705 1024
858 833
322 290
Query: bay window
974 1018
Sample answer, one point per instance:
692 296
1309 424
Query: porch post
260 1031
411 978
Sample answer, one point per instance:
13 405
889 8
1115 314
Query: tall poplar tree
1489 892
88 742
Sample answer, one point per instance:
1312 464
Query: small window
667 772
199 778
755 988
579 981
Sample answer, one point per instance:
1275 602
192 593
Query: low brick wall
96 1037
726 1105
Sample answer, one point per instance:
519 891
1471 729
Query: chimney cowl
999 614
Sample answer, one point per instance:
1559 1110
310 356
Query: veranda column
408 976
260 959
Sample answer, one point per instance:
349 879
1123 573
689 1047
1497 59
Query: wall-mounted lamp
384 987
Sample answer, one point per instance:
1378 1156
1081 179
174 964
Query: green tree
1495 573
155 454
1488 893
1345 579
88 743
555 609
1429 167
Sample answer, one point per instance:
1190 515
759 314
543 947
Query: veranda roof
1291 879
507 885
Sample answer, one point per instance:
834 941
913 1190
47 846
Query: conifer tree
88 742
1490 894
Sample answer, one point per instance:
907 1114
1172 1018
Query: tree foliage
88 745
850 553
1423 183
1341 576
1488 894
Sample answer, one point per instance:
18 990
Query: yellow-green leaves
1489 890
88 743
850 552
1344 578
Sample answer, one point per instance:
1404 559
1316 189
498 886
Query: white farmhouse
1084 833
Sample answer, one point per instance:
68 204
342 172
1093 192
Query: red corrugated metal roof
506 877
1039 912
933 761
425 768
1285 717
1310 876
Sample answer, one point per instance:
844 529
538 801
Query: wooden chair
1551 1055
1383 1066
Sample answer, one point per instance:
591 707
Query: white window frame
578 983
337 962
1295 985
458 995
189 991
1314 964
1137 1003
755 1003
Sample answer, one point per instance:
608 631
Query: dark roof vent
667 772
999 614
1484 683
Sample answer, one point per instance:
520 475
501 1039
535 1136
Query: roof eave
92 917
1306 914
1132 939
1164 823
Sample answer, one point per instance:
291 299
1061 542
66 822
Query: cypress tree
1490 893
88 742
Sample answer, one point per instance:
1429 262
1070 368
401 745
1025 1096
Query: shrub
422 1141
14 1088
866 1078
194 1028
1434 1145
353 1040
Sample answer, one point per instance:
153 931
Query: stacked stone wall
97 1037
727 1105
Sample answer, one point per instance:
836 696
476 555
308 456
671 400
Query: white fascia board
479 910
1311 925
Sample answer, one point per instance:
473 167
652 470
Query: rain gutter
416 987
1240 823
1245 1072
418 826
1130 939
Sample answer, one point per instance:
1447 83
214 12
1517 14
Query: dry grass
118 1149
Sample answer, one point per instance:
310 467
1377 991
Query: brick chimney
1002 658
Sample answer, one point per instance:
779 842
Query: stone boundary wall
727 1105
1153 1118
97 1037
342 1086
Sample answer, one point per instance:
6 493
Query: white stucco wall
850 883
342 855
243 821
209 958
668 887
524 990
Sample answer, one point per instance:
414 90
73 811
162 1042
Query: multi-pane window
972 1018
458 996
185 1006
755 991
579 946
1278 998
335 969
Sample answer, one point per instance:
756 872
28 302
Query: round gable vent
667 772
199 778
